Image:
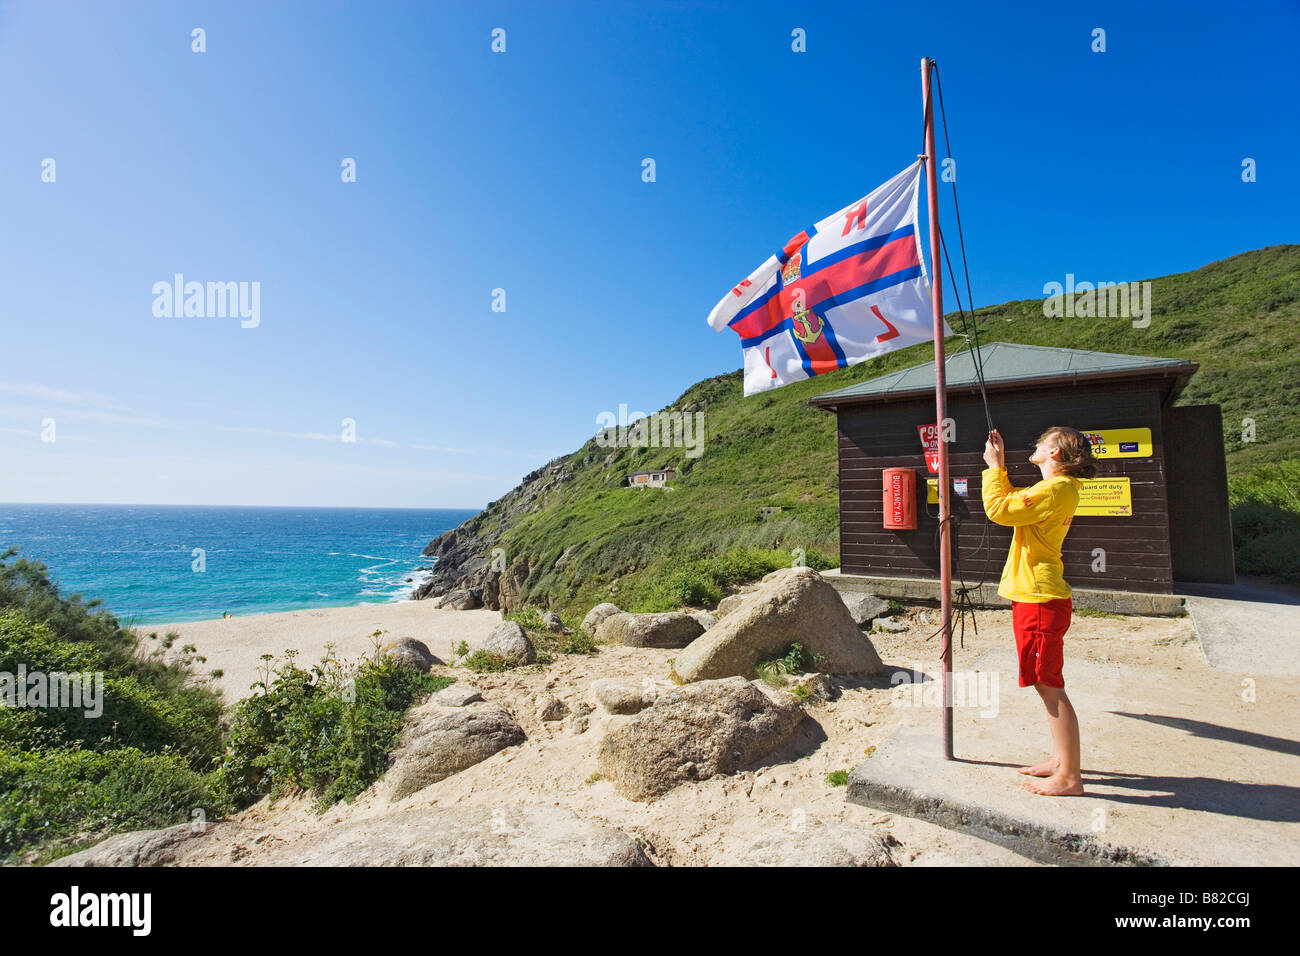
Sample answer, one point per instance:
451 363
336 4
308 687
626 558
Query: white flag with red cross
848 289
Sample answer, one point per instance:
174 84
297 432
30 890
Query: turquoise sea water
140 559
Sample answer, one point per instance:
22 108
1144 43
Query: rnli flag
850 288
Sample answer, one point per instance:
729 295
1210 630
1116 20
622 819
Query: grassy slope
1237 318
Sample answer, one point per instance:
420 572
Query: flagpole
941 408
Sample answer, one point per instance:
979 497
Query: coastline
414 580
156 566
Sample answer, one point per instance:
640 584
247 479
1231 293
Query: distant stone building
651 479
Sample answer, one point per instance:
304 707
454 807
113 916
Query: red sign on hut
930 445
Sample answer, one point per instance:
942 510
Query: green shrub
51 795
548 643
1266 520
153 701
1275 554
689 587
820 562
530 619
487 661
135 712
328 730
795 661
579 642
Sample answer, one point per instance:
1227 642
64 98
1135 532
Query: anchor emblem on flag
806 326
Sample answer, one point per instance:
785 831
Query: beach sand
706 823
235 645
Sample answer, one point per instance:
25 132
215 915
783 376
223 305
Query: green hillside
653 549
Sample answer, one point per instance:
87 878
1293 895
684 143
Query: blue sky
522 171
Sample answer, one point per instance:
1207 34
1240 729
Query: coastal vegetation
548 642
327 730
1266 519
154 747
487 662
146 759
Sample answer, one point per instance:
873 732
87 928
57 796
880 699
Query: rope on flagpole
961 240
964 603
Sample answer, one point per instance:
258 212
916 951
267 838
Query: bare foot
1056 786
1044 769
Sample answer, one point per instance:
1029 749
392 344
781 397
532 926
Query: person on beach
1033 581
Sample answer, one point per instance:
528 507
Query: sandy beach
235 645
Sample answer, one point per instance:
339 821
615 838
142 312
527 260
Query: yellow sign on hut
1105 497
1120 442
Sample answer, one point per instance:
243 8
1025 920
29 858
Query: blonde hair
1076 451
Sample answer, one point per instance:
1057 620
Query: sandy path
235 645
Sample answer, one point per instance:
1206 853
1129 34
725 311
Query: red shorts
1040 632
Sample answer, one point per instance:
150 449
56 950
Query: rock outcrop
667 629
823 844
621 696
468 557
137 848
460 599
466 836
507 640
706 619
791 606
597 615
440 741
692 733
865 608
410 651
418 836
457 695
729 604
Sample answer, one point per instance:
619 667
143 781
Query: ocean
156 564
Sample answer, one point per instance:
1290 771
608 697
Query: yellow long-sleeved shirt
1041 516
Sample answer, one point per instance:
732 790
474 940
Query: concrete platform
916 590
1179 771
1249 627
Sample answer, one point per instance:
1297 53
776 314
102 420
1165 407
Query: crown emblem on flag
790 272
